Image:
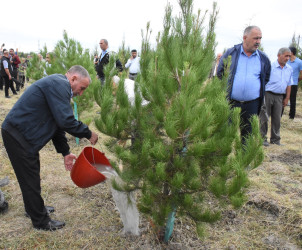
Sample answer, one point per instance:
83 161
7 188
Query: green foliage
185 143
123 53
67 53
296 43
35 69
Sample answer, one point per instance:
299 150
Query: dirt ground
270 219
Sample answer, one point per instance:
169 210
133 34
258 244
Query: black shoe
52 225
15 93
7 96
4 207
265 143
277 143
49 210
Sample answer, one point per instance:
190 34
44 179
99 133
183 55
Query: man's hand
94 138
68 161
285 101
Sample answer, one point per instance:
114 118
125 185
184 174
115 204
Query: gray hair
283 50
80 70
249 29
105 41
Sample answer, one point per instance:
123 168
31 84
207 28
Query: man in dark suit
41 114
104 59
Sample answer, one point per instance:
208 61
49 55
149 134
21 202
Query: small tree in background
69 52
44 51
123 53
296 43
36 68
185 154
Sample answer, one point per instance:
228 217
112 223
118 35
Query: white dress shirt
133 65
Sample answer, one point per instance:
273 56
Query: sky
32 24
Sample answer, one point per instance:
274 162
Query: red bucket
83 174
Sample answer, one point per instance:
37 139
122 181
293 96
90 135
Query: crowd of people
13 70
44 113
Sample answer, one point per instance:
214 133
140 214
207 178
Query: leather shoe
4 207
49 210
277 143
52 225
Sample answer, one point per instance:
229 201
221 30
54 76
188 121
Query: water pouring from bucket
91 168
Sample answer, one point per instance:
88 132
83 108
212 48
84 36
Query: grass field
271 218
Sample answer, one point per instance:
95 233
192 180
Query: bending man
41 114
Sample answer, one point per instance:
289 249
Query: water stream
125 202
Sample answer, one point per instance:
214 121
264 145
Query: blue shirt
104 52
297 67
280 78
246 85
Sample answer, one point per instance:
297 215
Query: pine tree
123 53
69 52
35 69
185 153
296 43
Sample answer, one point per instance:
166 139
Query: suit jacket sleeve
60 142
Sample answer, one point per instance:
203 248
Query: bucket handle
93 150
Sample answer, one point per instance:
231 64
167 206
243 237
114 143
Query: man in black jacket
41 114
7 73
104 60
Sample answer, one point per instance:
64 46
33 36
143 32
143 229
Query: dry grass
271 219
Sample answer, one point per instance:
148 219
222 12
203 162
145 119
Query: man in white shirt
133 65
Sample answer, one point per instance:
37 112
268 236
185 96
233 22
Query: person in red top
15 61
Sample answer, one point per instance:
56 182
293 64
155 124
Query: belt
244 102
274 93
133 73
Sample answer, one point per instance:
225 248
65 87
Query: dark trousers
15 75
132 76
1 83
8 84
293 95
27 170
248 109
